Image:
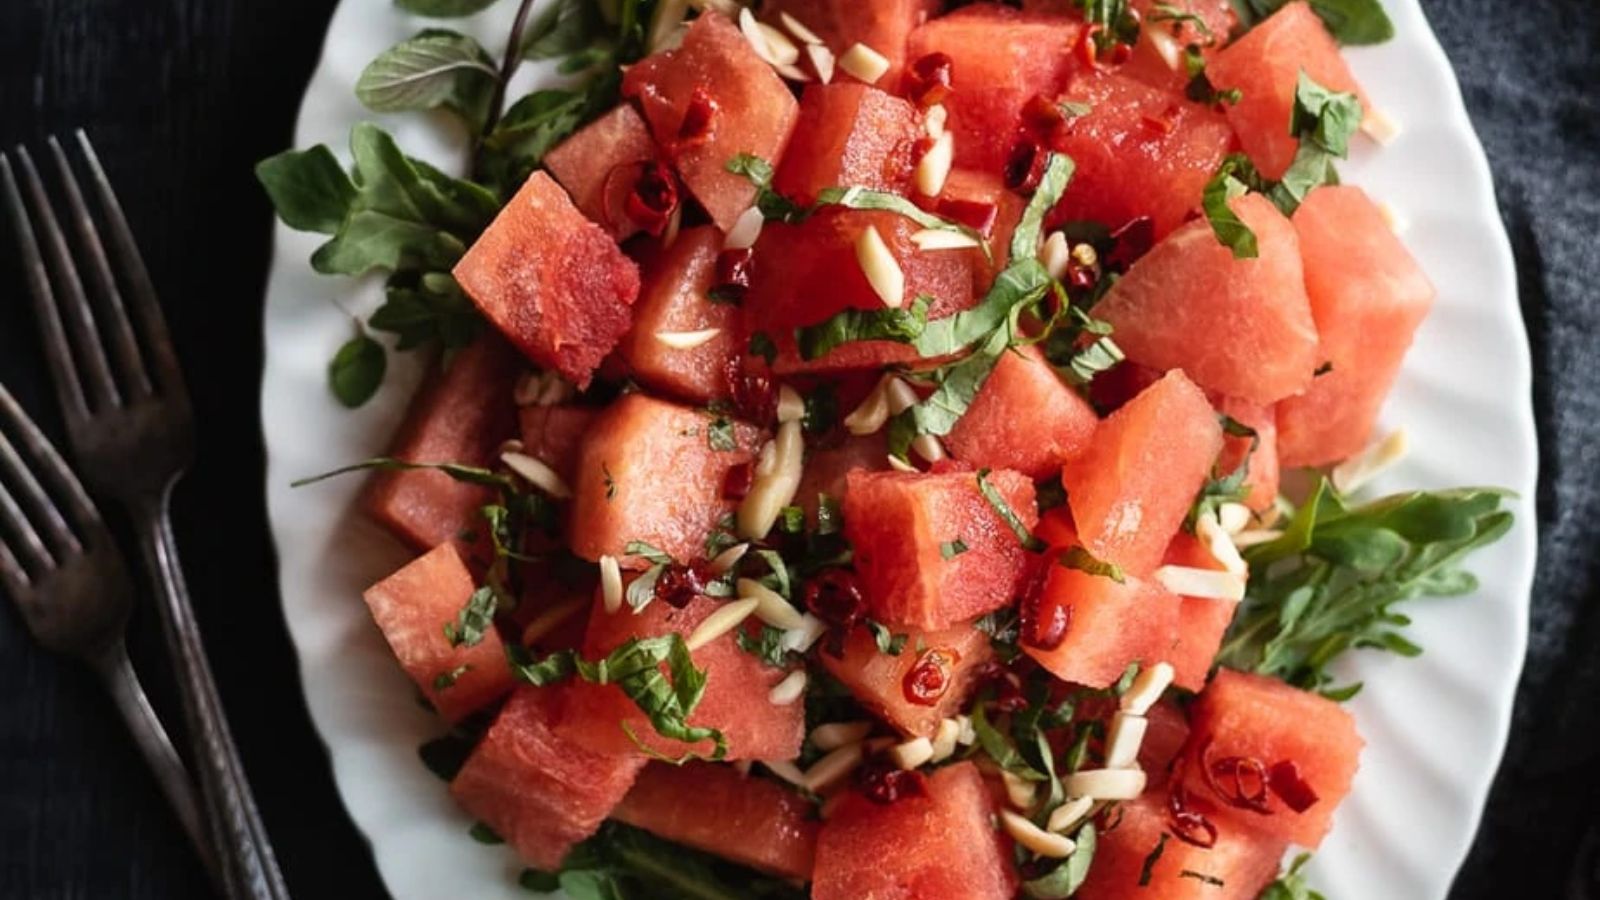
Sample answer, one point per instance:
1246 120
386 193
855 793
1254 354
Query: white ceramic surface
1435 726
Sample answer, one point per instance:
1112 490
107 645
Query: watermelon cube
412 608
1202 621
552 281
1368 297
535 787
1237 867
1265 66
882 25
709 101
908 530
735 700
806 273
1133 487
1140 152
1002 57
601 163
849 135
753 821
1087 628
1055 528
554 435
1157 58
982 200
1024 418
456 419
1306 743
1262 476
675 299
939 845
879 680
1166 731
828 467
1241 327
648 472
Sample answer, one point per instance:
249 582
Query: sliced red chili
698 120
882 782
1285 780
928 680
928 79
1132 240
1025 166
737 483
678 584
654 198
755 398
975 214
1044 625
733 273
834 596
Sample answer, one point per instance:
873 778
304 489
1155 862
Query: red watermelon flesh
750 111
1113 388
1024 418
1241 862
1263 474
1202 621
752 821
942 845
828 467
552 281
970 192
1241 327
1055 528
647 472
1140 152
1132 489
532 785
412 608
1157 58
1254 718
805 273
457 419
899 524
878 679
1164 736
849 135
735 700
882 25
675 298
1108 625
601 163
1002 57
1265 66
1368 297
554 435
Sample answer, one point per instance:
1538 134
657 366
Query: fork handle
250 872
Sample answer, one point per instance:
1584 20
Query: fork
131 430
69 581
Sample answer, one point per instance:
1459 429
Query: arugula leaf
1291 885
991 494
442 9
357 370
903 325
464 474
426 308
888 642
1330 582
437 68
1351 22
475 619
309 188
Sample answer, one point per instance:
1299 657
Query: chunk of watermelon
1001 57
941 845
828 467
753 821
735 700
535 787
677 282
1262 476
806 273
1024 418
878 680
412 608
647 472
1241 327
1265 66
457 420
1131 490
1108 625
1254 718
882 25
1368 297
905 528
1166 731
1202 621
601 163
1238 867
849 135
969 196
750 111
554 435
552 281
1140 152
1157 58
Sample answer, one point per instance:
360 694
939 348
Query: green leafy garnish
765 645
624 863
474 620
437 68
816 341
952 549
992 494
957 385
1233 179
448 679
773 205
866 198
1084 561
1350 22
357 370
1150 860
427 308
461 473
887 641
1065 880
1292 885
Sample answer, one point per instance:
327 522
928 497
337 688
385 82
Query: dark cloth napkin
183 96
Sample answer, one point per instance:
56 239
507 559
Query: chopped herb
1065 879
475 618
868 199
1004 630
888 642
483 834
903 325
1351 22
1166 12
624 863
1150 861
778 579
1233 179
991 494
647 552
1084 561
952 549
464 474
720 436
1323 369
766 645
1202 877
721 537
1000 748
773 205
1324 120
792 520
448 679
1291 885
957 386
761 345
822 409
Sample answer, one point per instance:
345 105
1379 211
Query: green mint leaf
1022 282
357 370
720 435
475 619
461 473
991 494
552 669
533 126
901 325
648 552
952 549
444 9
565 28
448 679
1058 169
309 188
1084 561
1233 178
1324 120
435 69
1003 627
888 642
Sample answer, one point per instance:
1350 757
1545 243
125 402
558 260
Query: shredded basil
991 494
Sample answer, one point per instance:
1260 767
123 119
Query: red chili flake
926 682
928 79
1088 50
755 398
1132 240
1025 166
1042 628
1121 53
883 782
1045 122
834 596
678 584
1162 124
1186 823
1241 781
1285 781
733 272
697 120
975 214
654 198
737 483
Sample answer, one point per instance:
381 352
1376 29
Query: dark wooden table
183 96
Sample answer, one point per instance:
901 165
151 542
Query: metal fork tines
131 431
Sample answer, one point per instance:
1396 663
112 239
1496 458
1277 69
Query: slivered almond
968 735
771 608
1355 472
610 584
930 239
912 753
900 465
727 617
528 389
1205 583
1123 739
900 396
746 229
669 15
1019 791
775 488
786 770
551 619
791 406
1069 814
831 768
834 735
783 51
1034 838
799 30
688 340
754 35
878 264
1219 544
945 739
537 474
1105 784
1381 127
723 562
929 447
864 63
1233 517
935 120
801 639
873 412
790 689
934 167
674 225
792 72
1147 688
822 62
1166 46
1056 255
1252 537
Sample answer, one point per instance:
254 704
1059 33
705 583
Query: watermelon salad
891 450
